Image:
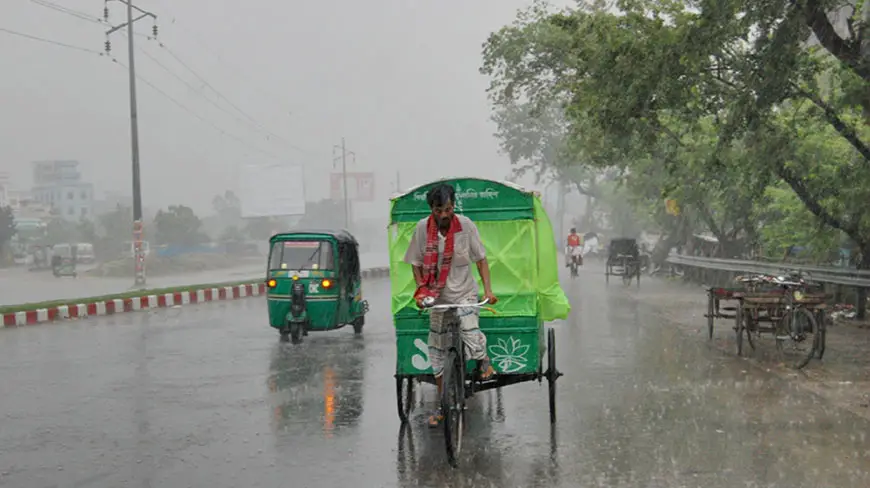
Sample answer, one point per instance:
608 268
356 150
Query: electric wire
201 118
49 41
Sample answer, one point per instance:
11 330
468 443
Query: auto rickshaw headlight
326 284
272 283
295 277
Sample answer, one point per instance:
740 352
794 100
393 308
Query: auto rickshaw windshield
301 255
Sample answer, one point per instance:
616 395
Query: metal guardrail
837 276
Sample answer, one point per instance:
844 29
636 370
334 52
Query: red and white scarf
432 286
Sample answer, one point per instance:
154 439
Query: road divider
134 301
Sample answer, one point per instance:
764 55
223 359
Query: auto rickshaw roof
338 235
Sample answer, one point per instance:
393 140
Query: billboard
360 187
271 189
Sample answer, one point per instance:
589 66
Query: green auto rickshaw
314 283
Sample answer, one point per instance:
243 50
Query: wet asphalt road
18 285
204 396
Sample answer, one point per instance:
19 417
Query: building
59 184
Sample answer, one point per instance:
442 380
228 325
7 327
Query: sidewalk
842 377
17 285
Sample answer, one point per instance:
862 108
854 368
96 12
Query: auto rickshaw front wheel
358 324
293 333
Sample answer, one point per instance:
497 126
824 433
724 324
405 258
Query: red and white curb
135 304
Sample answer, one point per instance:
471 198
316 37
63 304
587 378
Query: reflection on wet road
205 396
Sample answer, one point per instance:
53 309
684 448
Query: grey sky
398 79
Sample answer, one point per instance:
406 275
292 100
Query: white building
58 184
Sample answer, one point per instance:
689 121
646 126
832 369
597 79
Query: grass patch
25 307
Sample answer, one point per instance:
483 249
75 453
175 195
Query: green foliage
232 234
228 207
722 107
178 226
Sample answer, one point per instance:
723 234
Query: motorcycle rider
572 250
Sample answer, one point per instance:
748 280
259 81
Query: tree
7 228
178 226
59 230
228 207
712 106
325 214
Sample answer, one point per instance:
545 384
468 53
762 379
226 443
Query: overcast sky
398 79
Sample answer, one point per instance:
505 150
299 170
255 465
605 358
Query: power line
198 90
228 101
147 82
66 10
49 41
96 20
201 118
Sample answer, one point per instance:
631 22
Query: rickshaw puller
441 251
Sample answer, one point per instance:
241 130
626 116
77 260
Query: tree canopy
752 114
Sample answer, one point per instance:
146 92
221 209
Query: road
17 285
205 396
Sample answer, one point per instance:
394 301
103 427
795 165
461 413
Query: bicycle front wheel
800 336
453 405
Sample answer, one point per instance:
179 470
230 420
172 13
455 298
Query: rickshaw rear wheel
552 373
405 397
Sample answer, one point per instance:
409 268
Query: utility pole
343 158
139 256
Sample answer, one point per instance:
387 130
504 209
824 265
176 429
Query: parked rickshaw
524 268
789 307
623 259
314 283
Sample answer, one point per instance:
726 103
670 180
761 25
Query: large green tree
711 104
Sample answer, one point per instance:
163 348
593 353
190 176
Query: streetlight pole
343 158
139 256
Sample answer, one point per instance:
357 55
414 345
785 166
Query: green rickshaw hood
512 221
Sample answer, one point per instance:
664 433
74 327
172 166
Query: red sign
360 187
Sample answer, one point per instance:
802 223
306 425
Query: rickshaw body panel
515 345
325 308
511 227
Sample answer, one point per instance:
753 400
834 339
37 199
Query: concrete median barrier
36 313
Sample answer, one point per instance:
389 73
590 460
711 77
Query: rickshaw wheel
296 333
552 372
453 405
358 325
405 397
285 335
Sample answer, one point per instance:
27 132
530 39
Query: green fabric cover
523 261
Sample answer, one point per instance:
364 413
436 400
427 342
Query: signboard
477 199
360 187
271 190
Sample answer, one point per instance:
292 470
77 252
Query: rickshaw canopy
516 233
623 245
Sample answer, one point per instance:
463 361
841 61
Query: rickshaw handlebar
445 306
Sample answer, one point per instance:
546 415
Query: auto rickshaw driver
440 252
